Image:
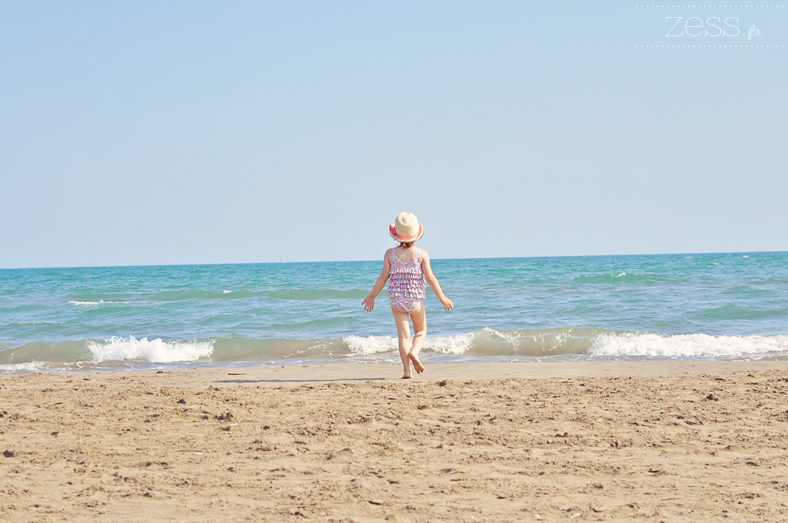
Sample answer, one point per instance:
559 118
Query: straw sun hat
406 228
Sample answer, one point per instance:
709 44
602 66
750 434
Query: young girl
407 267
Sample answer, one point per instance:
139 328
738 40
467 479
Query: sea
584 308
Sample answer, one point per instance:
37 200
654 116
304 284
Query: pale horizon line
377 260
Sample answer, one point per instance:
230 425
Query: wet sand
668 441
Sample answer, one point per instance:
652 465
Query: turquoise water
602 307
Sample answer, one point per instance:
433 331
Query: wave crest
143 349
368 346
686 345
486 344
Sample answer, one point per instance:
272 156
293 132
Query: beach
660 441
216 215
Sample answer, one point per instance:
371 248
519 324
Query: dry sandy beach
672 441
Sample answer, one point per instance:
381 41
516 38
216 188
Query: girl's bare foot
407 377
416 363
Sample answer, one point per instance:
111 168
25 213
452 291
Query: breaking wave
687 345
143 349
484 345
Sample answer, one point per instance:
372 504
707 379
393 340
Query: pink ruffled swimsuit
407 286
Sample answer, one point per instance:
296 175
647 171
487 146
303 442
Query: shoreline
349 372
352 372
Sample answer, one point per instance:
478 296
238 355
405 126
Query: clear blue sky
191 131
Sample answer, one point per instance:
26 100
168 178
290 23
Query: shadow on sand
299 381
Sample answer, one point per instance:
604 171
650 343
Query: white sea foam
370 345
30 366
143 349
88 303
458 344
226 292
686 345
491 342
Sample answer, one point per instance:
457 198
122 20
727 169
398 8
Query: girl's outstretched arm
433 282
369 301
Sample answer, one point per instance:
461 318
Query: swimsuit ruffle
406 283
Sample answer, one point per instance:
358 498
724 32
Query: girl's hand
368 303
447 303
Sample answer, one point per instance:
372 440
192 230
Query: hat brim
405 239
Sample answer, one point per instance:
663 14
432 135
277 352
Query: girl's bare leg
419 318
403 338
